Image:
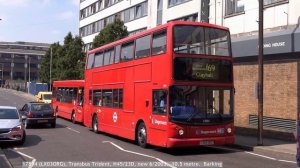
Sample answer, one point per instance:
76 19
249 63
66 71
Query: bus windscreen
201 40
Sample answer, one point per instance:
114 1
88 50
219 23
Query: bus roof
68 83
172 23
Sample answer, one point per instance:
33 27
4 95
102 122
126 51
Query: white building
281 45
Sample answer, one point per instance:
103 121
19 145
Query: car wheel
22 141
142 135
53 125
73 118
26 124
95 124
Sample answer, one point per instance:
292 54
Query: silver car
11 125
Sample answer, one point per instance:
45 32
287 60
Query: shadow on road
31 140
45 126
202 150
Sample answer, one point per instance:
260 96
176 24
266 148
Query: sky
42 21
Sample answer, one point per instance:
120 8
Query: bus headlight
181 132
229 130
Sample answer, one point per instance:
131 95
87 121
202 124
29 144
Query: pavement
269 145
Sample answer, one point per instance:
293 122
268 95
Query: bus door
80 94
158 117
87 108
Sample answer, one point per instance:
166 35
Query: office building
21 60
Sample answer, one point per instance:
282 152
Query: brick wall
280 91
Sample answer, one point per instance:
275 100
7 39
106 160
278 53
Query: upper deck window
127 51
159 43
201 40
142 48
90 61
98 59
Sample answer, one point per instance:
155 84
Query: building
21 60
281 46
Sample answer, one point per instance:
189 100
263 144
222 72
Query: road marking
128 151
73 130
33 160
251 153
261 155
287 161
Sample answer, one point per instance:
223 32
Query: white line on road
251 153
73 130
128 151
287 161
33 160
261 155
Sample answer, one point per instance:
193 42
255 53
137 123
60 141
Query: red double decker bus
67 99
170 86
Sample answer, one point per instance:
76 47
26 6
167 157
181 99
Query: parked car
38 113
11 125
44 97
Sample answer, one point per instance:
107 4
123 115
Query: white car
11 125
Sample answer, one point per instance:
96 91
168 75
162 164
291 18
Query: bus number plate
207 143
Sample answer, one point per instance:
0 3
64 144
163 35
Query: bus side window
159 102
159 42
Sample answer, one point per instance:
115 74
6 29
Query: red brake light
29 114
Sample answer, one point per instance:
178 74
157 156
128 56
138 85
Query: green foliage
67 60
110 33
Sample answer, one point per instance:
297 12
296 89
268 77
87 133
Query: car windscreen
40 107
8 114
47 96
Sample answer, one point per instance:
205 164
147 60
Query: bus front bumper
206 141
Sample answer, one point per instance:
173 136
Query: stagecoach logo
154 121
115 117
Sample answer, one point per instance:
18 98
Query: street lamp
2 65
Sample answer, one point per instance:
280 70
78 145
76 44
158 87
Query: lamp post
260 73
50 68
28 74
2 65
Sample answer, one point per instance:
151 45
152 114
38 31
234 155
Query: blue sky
44 21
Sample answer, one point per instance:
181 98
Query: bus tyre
73 118
142 135
95 124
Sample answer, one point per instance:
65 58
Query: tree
67 60
110 33
69 65
45 63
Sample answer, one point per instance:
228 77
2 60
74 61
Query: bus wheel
142 135
95 124
73 118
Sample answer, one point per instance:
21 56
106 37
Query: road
75 143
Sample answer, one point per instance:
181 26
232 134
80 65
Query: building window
159 12
176 2
234 6
192 18
127 15
271 2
